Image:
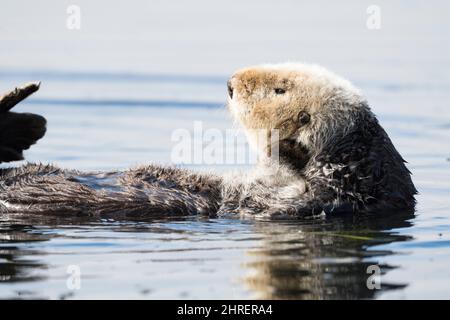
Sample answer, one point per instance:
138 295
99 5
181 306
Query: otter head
304 104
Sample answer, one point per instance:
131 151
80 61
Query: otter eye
280 91
303 118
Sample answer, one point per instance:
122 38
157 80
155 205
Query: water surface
195 257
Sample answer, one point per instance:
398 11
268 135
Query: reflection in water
16 264
320 259
326 260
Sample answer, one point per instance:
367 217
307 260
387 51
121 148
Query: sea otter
333 157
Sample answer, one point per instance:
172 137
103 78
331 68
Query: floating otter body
333 156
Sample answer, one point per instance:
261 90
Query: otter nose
230 89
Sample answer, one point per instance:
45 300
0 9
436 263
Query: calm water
216 258
113 94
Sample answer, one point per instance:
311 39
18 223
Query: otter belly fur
333 157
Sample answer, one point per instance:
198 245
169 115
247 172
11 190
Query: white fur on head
332 101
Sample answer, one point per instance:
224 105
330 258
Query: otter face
302 102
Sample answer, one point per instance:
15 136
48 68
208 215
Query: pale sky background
216 37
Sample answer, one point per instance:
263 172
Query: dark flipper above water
18 131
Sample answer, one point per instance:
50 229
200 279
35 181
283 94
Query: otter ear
303 118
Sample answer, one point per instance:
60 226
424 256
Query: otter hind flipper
18 131
10 99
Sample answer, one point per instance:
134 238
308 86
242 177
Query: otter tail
18 131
